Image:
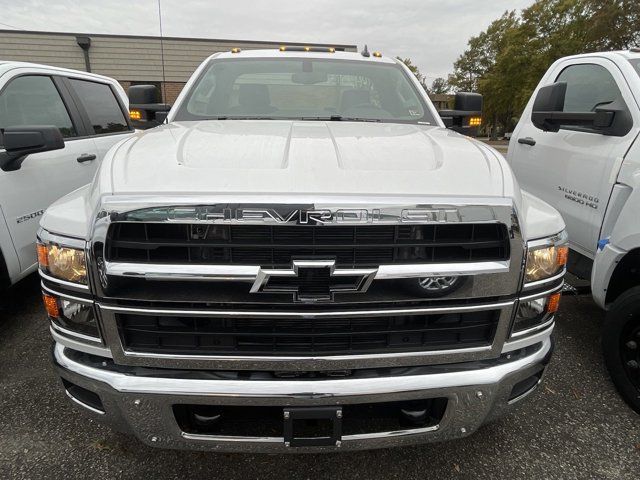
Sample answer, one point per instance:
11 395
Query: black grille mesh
275 246
305 336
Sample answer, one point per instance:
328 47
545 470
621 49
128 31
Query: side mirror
22 141
468 102
143 94
612 119
466 116
144 110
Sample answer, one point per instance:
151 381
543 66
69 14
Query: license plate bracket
328 420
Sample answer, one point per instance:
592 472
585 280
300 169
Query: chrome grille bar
247 273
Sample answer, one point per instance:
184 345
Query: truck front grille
275 246
185 335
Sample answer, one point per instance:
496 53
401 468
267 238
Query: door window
101 105
588 86
34 100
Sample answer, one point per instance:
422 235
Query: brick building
129 59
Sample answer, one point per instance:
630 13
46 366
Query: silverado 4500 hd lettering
302 258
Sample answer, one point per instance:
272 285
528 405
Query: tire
621 346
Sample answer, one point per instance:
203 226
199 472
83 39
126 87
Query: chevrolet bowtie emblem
313 280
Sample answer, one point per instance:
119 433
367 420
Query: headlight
547 260
65 263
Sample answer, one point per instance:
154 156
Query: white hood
304 157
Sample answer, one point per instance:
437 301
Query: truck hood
304 157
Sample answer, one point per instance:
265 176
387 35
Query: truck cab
82 114
576 146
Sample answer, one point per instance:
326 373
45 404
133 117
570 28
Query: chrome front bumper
142 405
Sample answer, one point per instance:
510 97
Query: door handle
527 141
86 157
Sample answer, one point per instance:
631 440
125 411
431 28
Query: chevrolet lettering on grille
305 215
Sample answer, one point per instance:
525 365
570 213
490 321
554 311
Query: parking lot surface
574 427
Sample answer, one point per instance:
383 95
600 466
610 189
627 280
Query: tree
439 86
480 55
507 60
415 70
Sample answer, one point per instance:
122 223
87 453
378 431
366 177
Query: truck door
575 169
35 99
106 116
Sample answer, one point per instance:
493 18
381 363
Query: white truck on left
55 126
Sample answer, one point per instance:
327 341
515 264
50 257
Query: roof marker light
236 50
377 54
307 49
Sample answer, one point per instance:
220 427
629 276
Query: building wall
125 58
172 90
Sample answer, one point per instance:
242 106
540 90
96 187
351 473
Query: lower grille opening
357 419
83 396
306 336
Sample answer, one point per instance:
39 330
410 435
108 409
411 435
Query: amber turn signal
475 121
563 255
51 305
43 255
553 303
135 114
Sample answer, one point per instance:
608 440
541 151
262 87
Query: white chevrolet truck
303 258
576 146
84 115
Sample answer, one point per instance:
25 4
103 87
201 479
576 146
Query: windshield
636 64
307 89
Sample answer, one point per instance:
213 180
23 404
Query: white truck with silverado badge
576 146
302 258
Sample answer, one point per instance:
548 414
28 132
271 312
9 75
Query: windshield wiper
340 118
237 117
330 118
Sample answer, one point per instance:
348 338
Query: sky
433 33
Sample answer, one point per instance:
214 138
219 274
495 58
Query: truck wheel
621 346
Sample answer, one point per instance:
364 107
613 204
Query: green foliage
507 60
438 86
415 70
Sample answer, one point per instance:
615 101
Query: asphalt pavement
575 427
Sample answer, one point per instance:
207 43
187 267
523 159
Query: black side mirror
466 116
551 98
468 102
612 119
144 110
143 94
22 141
